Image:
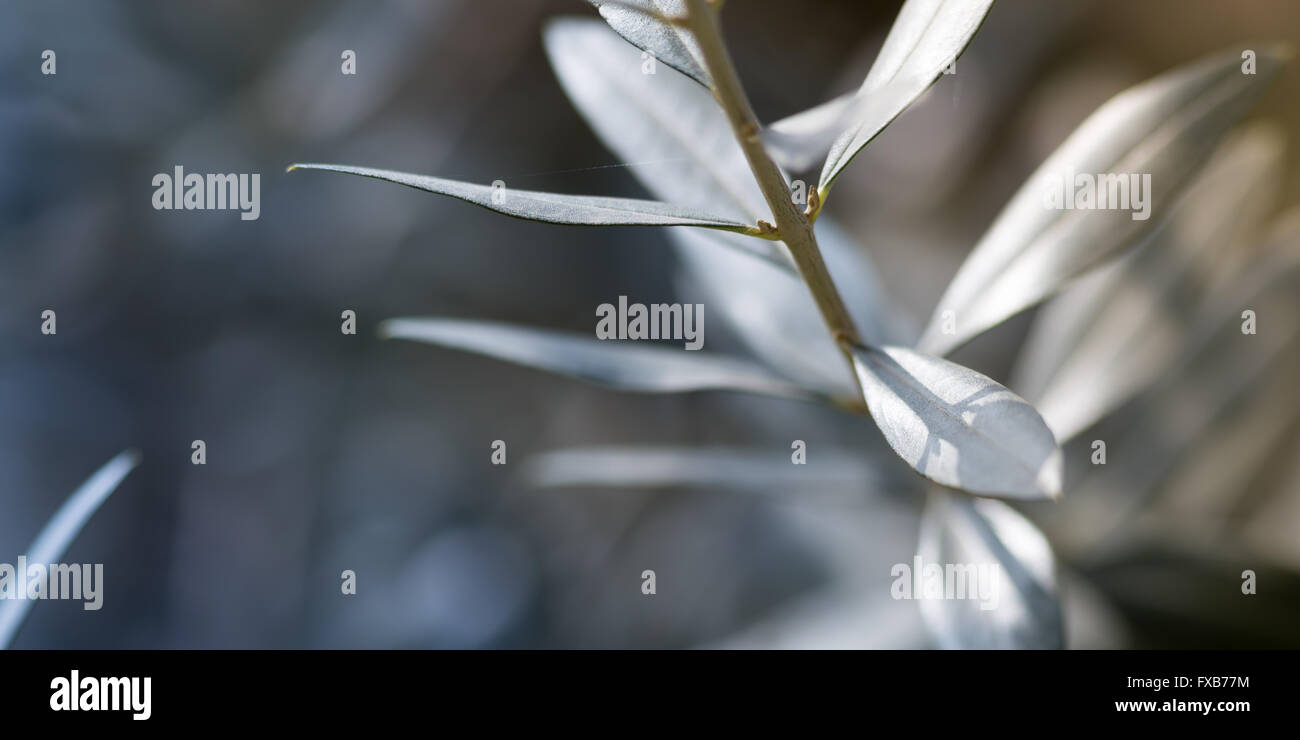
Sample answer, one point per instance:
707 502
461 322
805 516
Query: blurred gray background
329 452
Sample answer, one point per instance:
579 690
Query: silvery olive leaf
926 38
1143 146
1106 338
957 427
1226 203
551 208
1007 567
774 314
933 150
642 24
669 130
663 467
797 141
620 365
62 529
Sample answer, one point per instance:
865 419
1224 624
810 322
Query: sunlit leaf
620 365
1164 128
1015 605
670 44
62 529
667 129
551 208
957 427
1108 337
927 36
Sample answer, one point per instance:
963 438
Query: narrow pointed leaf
1165 128
1127 331
620 365
798 141
669 130
957 427
551 208
646 30
62 529
659 467
1014 571
927 36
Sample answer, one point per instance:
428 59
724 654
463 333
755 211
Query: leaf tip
396 328
1050 475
